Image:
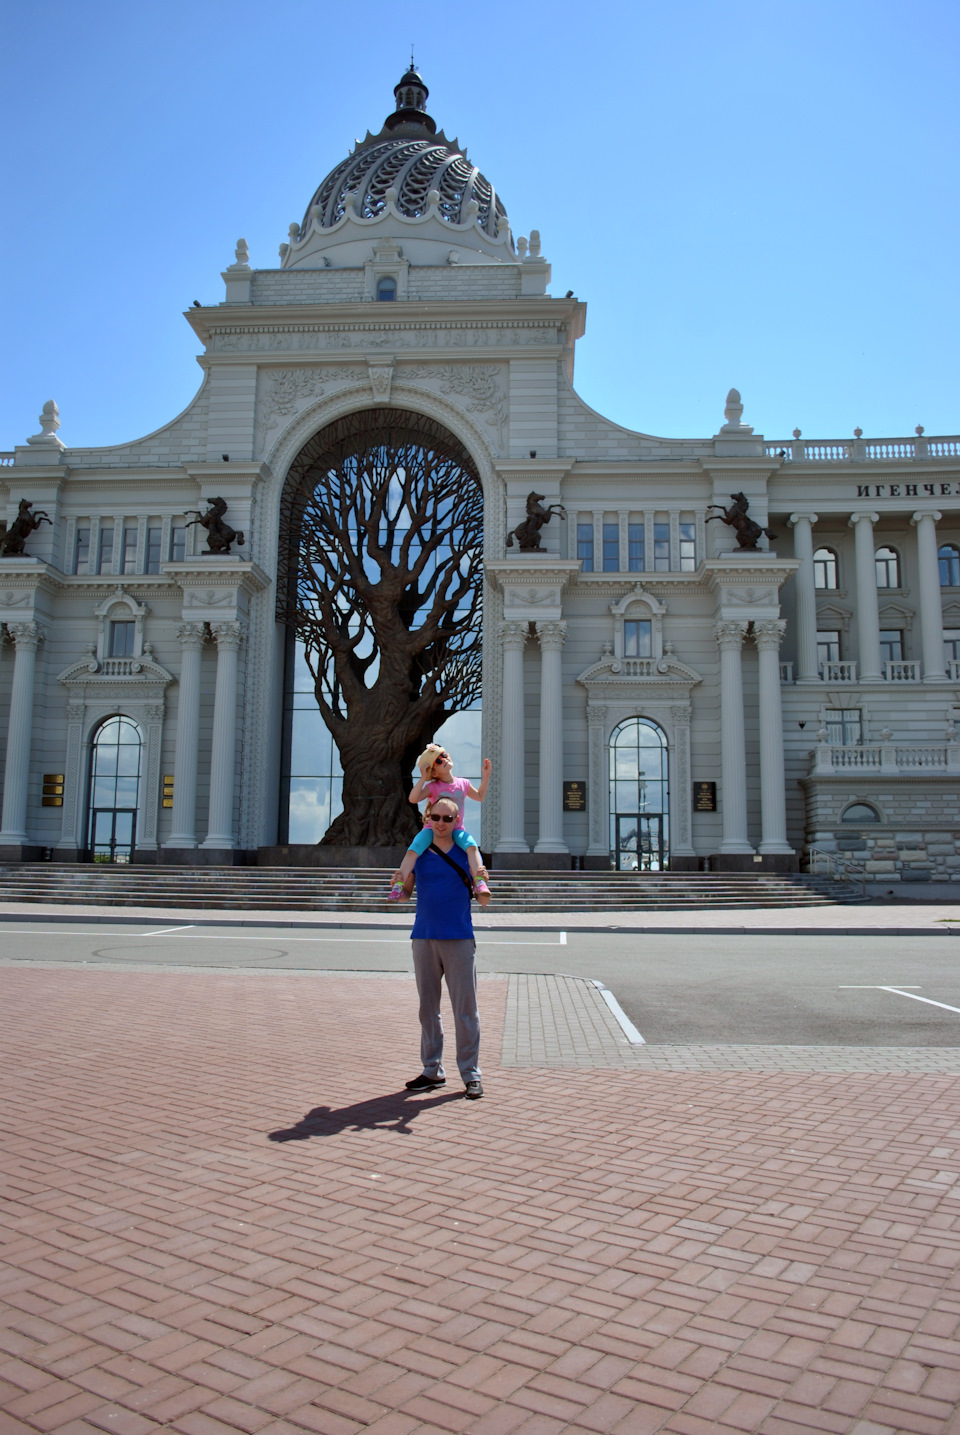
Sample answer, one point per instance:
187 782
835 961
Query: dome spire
411 108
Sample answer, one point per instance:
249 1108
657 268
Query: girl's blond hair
428 757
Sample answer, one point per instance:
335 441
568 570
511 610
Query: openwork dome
406 162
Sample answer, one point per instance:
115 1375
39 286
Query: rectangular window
129 550
843 727
635 547
81 549
585 546
951 644
638 638
121 640
825 568
178 542
688 547
891 645
105 558
661 548
611 548
828 649
154 549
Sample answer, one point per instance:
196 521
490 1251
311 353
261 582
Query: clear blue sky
754 194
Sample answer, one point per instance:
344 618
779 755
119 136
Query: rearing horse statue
25 523
527 533
219 534
746 529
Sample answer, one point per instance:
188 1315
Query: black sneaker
474 1091
425 1083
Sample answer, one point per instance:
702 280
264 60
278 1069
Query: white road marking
164 931
563 939
229 937
624 1022
859 987
900 992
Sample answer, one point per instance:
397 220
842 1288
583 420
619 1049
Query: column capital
227 635
514 632
730 633
192 635
856 518
552 632
26 635
596 714
769 632
922 513
796 518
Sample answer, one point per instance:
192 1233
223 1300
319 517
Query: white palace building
654 695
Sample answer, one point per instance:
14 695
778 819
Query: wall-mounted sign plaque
704 797
574 796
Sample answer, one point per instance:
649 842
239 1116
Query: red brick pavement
221 1216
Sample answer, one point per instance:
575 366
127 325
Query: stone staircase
364 889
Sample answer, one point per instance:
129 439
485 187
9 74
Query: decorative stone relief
287 391
479 384
751 597
381 377
532 597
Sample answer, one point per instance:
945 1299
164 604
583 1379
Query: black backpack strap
465 877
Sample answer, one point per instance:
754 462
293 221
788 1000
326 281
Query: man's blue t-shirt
443 898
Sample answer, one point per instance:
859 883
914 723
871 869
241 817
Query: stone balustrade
863 450
886 759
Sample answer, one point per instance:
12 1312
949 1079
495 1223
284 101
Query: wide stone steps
364 889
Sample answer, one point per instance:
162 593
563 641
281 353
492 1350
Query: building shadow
393 1112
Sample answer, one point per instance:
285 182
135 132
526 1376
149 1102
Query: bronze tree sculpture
381 580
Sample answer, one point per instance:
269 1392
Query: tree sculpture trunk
381 581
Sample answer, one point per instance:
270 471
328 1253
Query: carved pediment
93 672
645 672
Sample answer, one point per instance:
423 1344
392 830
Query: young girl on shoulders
437 780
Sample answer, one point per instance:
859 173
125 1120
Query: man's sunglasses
438 817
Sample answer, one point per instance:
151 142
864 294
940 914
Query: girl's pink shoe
396 893
483 892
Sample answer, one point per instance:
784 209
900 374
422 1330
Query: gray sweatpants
455 960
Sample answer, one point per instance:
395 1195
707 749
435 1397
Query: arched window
888 568
948 557
860 812
115 762
639 797
386 288
825 572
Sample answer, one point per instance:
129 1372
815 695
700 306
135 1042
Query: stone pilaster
931 611
807 669
868 608
551 635
27 637
773 806
186 757
513 636
733 754
223 762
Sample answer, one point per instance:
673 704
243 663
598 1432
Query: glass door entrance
113 833
640 845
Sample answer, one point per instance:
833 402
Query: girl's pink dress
455 788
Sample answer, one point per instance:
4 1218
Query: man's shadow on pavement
393 1112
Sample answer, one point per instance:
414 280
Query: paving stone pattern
223 1214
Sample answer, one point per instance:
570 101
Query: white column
807 671
16 774
513 635
868 608
733 751
931 612
187 753
551 634
773 803
223 759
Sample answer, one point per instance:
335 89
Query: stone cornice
736 569
547 571
207 572
407 314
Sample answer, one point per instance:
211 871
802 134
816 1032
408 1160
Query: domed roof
405 162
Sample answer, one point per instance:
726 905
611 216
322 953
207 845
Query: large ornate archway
380 588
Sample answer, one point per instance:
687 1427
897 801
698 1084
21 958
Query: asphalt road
785 990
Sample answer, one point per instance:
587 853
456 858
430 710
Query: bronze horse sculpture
527 533
219 534
746 529
25 523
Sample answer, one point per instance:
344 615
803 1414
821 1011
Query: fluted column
931 611
187 753
27 637
513 635
868 608
223 759
551 634
807 669
733 751
773 802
